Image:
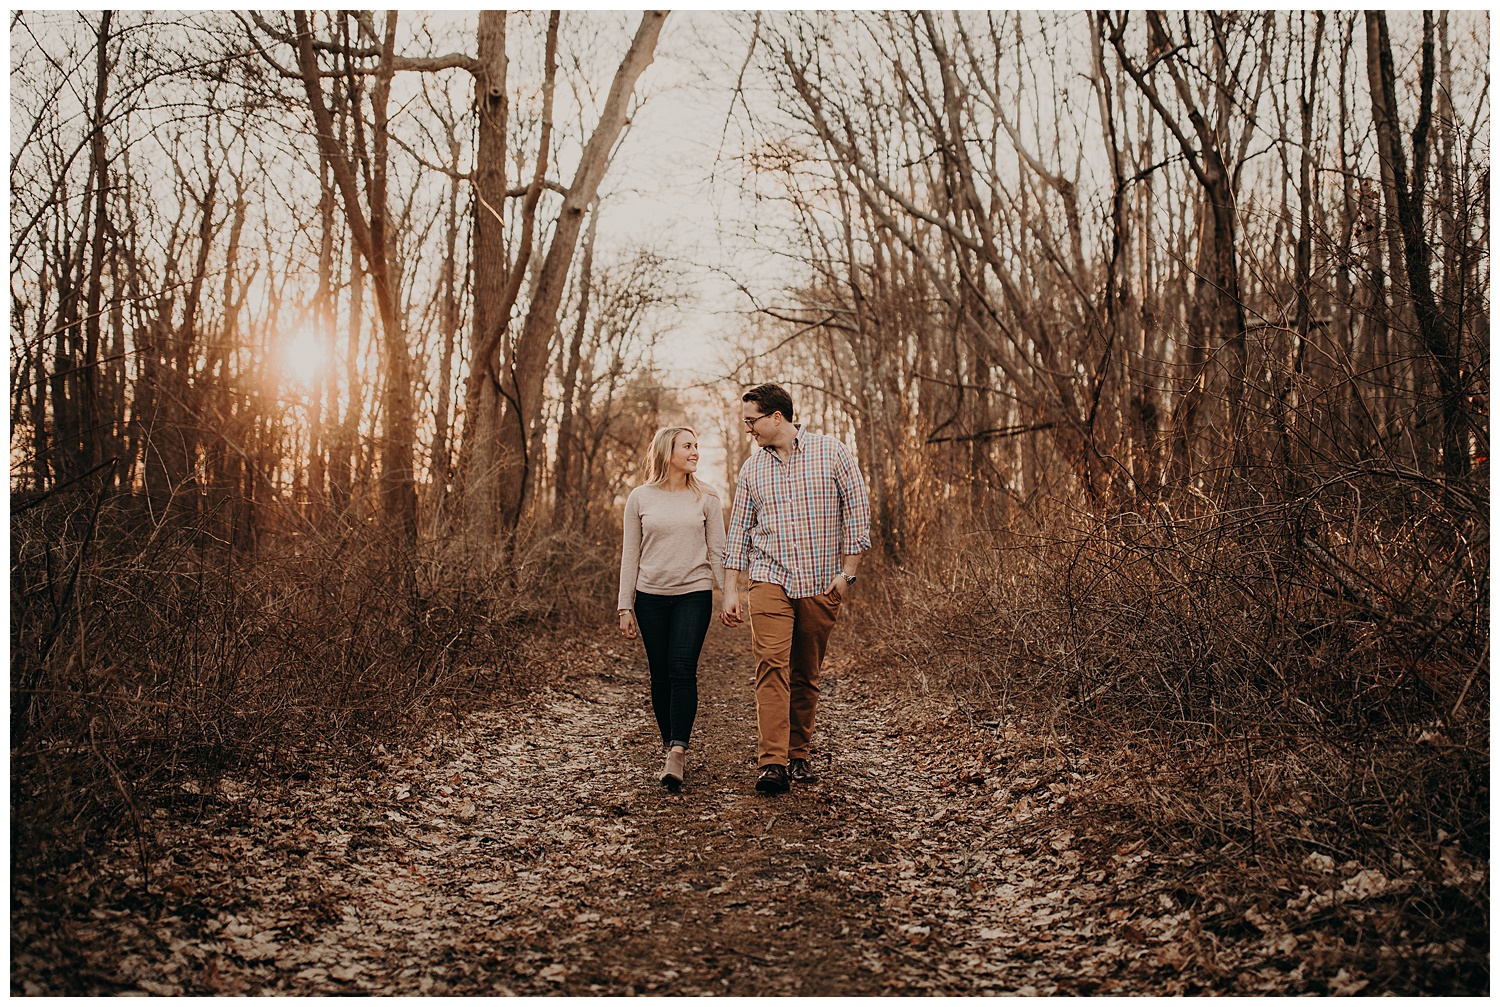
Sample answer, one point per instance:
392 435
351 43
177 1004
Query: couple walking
799 523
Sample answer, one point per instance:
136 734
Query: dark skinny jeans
672 628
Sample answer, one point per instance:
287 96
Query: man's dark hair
771 399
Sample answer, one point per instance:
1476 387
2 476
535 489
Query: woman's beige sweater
674 543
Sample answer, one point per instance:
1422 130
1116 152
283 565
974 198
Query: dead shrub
1256 683
149 658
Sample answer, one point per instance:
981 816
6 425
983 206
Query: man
800 521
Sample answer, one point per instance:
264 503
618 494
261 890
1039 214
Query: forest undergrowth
1290 700
150 658
1296 695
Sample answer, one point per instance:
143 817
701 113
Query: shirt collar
796 446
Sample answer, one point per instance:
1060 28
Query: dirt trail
532 852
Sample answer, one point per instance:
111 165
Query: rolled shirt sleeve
854 505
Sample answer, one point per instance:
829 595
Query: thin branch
995 433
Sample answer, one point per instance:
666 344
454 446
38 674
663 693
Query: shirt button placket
790 524
794 541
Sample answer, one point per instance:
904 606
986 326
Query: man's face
760 426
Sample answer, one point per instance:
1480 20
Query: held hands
731 616
627 625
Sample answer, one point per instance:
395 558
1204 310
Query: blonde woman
671 562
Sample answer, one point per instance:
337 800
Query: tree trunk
397 481
1291 368
325 383
523 378
442 465
91 413
1221 311
485 369
566 477
1437 335
487 260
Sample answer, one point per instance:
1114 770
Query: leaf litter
530 851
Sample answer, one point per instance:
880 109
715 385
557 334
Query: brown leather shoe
773 780
801 772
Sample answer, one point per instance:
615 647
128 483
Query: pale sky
676 185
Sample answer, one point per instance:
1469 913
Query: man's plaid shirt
794 517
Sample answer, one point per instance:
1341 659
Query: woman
672 560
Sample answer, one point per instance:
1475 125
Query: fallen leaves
527 852
258 948
1345 985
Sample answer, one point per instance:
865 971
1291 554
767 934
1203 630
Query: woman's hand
627 624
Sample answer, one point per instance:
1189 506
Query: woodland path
531 851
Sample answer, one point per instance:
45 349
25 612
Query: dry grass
1293 693
147 659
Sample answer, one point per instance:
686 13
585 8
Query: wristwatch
848 577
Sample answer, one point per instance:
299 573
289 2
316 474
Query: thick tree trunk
523 377
485 381
487 260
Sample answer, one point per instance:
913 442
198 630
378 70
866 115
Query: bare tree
1407 191
368 226
569 457
519 376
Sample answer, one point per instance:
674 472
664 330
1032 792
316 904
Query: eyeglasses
750 421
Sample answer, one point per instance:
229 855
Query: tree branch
995 433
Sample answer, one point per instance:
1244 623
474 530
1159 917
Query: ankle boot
676 766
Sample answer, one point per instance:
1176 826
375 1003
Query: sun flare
304 355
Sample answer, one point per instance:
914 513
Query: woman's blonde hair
660 453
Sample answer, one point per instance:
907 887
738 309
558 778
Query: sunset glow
1073 578
303 356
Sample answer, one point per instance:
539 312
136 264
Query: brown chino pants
788 637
